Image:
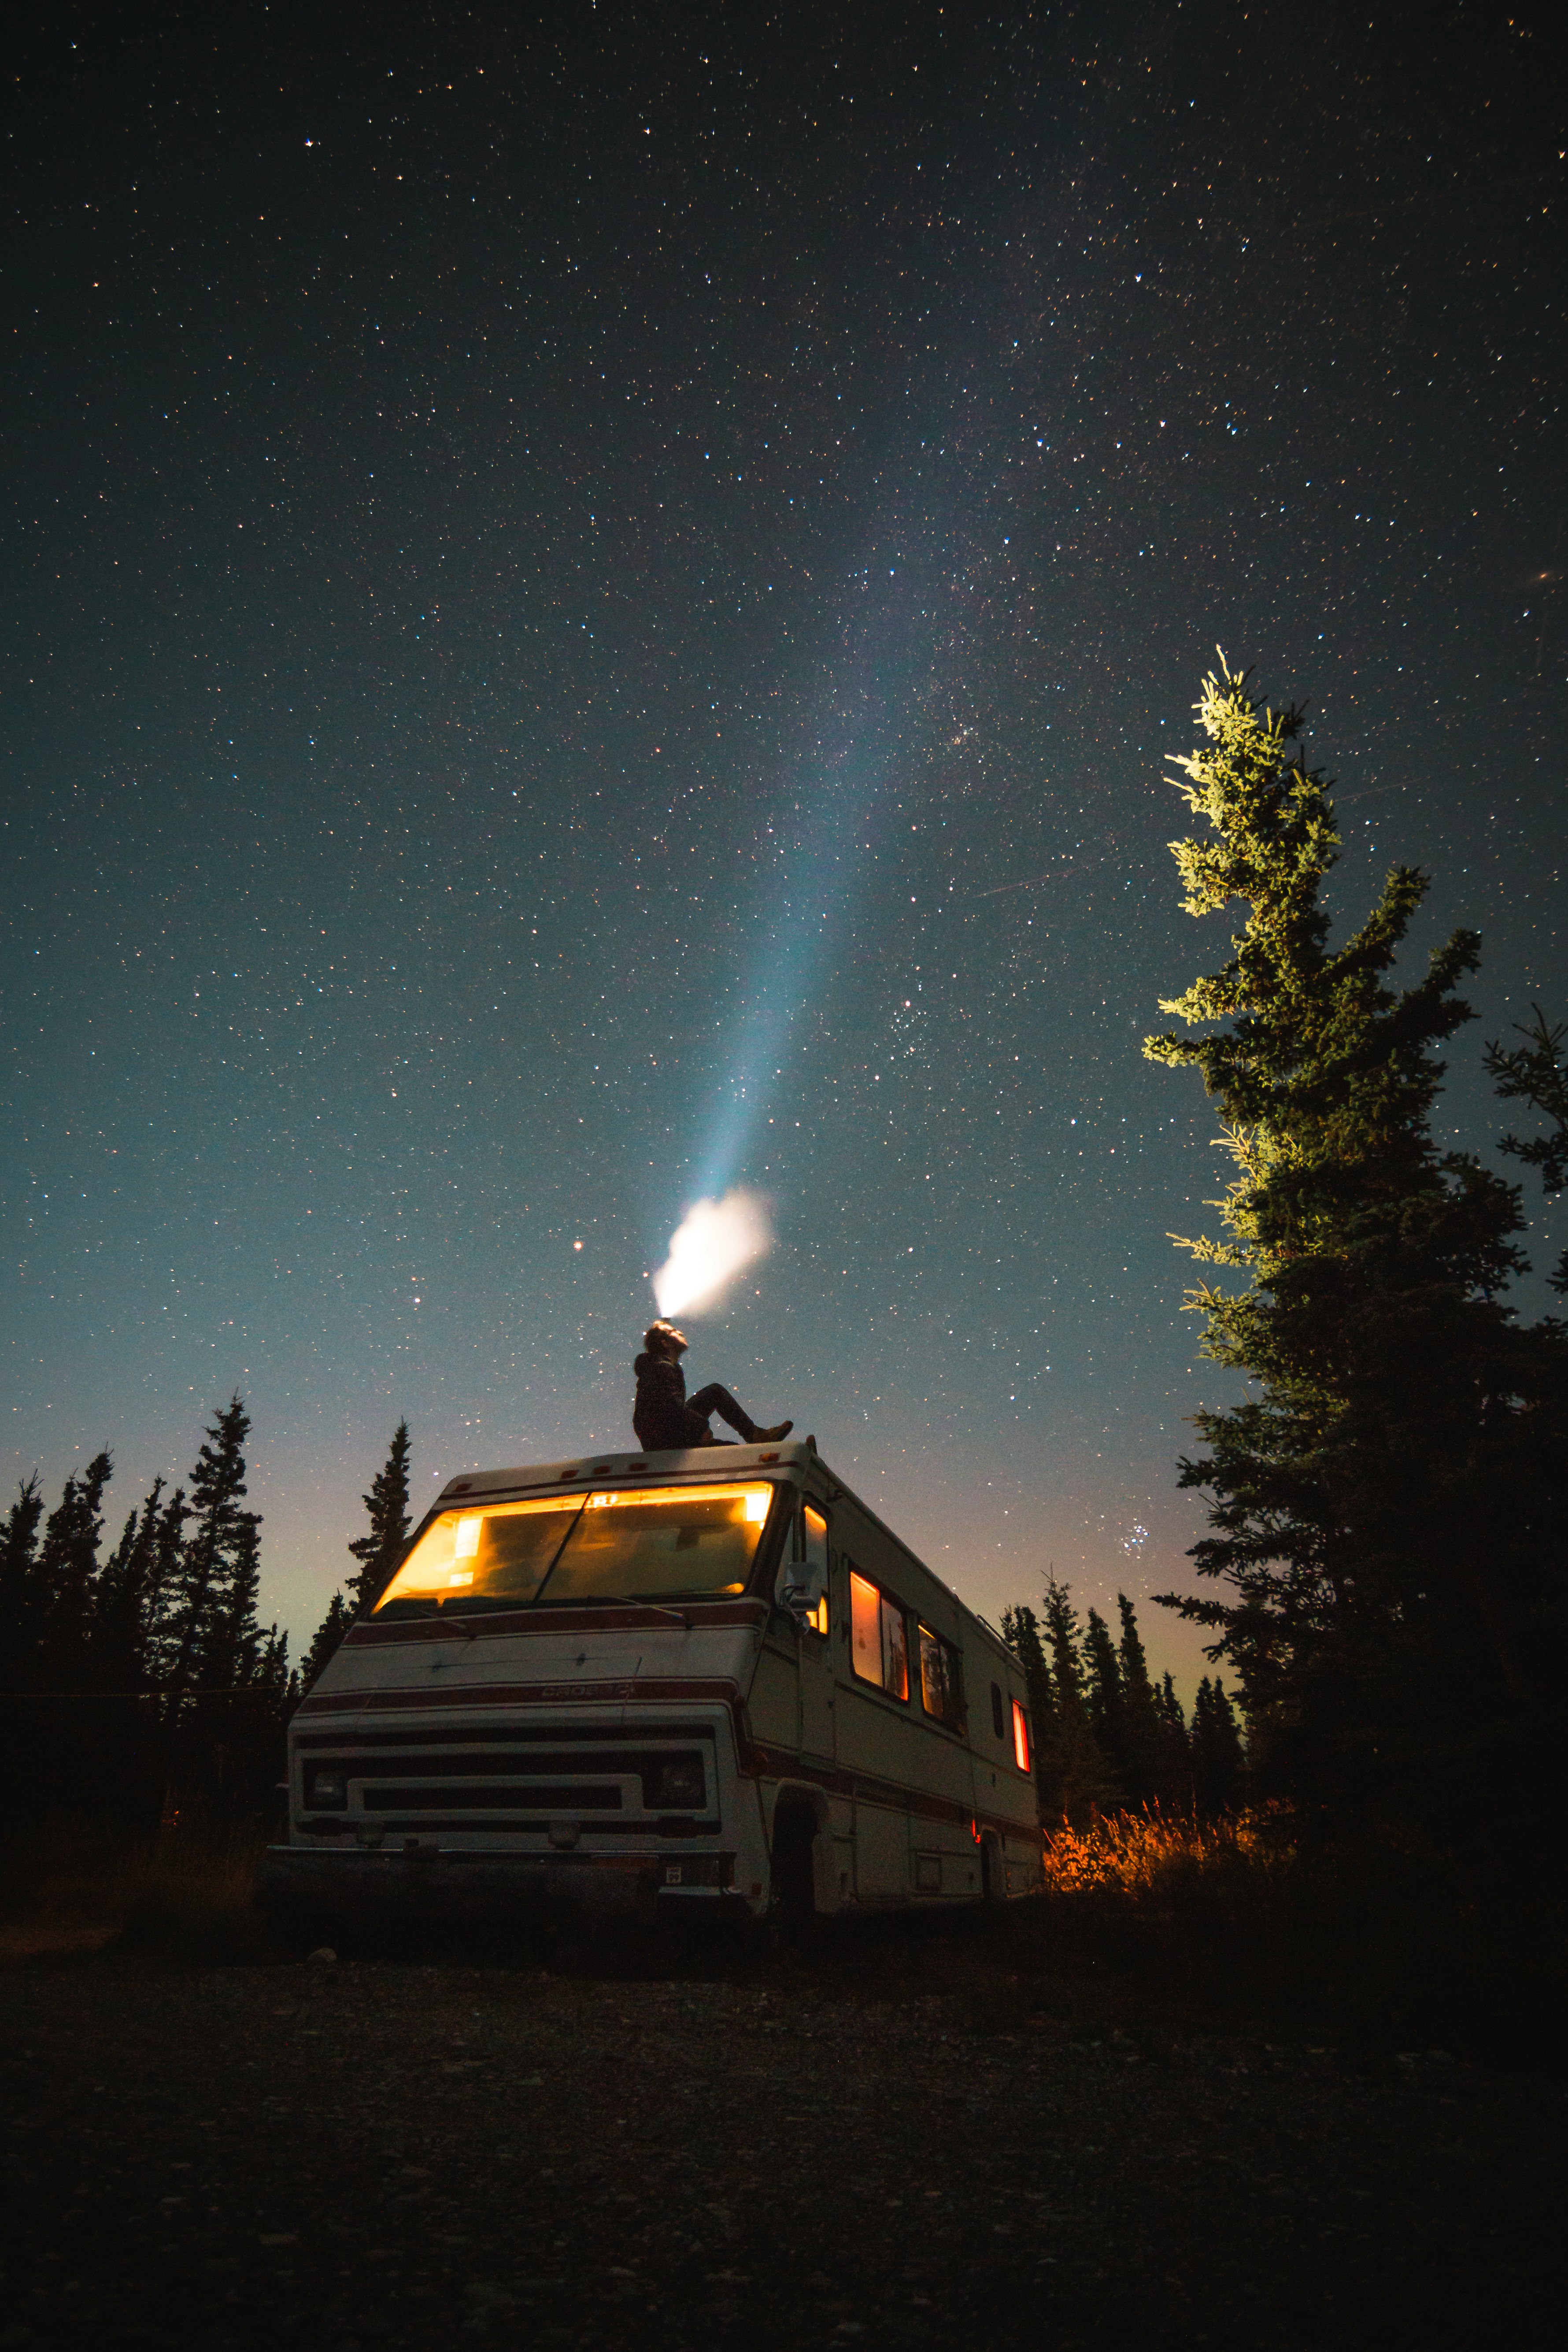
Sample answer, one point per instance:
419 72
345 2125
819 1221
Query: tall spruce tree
1219 1759
127 1598
1384 1504
380 1551
1106 1715
1534 1072
18 1551
64 1577
1146 1763
1176 1745
213 1640
122 1742
1075 1780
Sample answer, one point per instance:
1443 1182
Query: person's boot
771 1436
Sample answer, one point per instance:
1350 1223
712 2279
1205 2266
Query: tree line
137 1684
1105 1734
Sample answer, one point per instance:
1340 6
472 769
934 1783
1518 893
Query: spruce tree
1383 1503
1145 1758
1534 1072
1175 1745
64 1577
132 1588
18 1551
324 1647
212 1629
380 1552
1076 1781
1220 1761
123 1739
1105 1709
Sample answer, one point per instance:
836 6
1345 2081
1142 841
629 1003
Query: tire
794 1864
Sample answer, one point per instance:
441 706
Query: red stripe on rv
592 1693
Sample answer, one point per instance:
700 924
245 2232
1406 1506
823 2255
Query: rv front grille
379 1799
498 1777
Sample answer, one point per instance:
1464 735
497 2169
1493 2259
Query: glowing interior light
756 1504
460 1576
467 1541
1020 1738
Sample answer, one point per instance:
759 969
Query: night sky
595 597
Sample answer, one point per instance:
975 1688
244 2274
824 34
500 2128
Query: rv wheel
794 1862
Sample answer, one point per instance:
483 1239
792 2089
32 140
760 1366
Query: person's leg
714 1399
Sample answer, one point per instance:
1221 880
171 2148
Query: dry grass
186 1894
1146 1853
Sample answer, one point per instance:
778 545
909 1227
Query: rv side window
941 1693
1020 1738
998 1723
879 1645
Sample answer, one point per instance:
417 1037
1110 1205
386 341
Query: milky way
594 614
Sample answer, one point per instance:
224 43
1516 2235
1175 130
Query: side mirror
800 1598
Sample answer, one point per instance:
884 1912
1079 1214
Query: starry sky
596 599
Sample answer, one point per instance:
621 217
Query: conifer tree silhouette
380 1552
1075 1780
65 1576
1021 1632
1385 1503
1219 1759
212 1626
324 1646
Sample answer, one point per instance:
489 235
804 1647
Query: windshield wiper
628 1601
436 1616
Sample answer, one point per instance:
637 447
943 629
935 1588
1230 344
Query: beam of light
714 1242
819 870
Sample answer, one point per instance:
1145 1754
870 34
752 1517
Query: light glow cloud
714 1241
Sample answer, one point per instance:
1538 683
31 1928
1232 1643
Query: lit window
1020 1738
879 1645
941 1693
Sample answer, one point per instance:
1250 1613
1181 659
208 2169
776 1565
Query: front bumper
428 1883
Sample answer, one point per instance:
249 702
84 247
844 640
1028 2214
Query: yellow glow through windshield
615 1544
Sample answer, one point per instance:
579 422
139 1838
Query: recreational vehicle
708 1683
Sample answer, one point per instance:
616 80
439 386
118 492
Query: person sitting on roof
665 1418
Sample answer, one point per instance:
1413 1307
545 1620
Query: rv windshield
641 1543
496 1558
659 1543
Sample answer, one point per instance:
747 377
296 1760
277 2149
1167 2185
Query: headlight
327 1788
678 1782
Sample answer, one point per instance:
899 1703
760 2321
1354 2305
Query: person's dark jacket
661 1417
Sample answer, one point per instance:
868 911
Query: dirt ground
864 2144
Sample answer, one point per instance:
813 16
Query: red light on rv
1020 1738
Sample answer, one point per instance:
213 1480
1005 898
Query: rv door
816 1637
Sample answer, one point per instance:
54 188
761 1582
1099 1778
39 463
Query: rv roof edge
721 1462
714 1461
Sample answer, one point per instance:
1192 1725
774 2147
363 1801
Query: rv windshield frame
433 1588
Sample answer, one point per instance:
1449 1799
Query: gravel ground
375 2155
